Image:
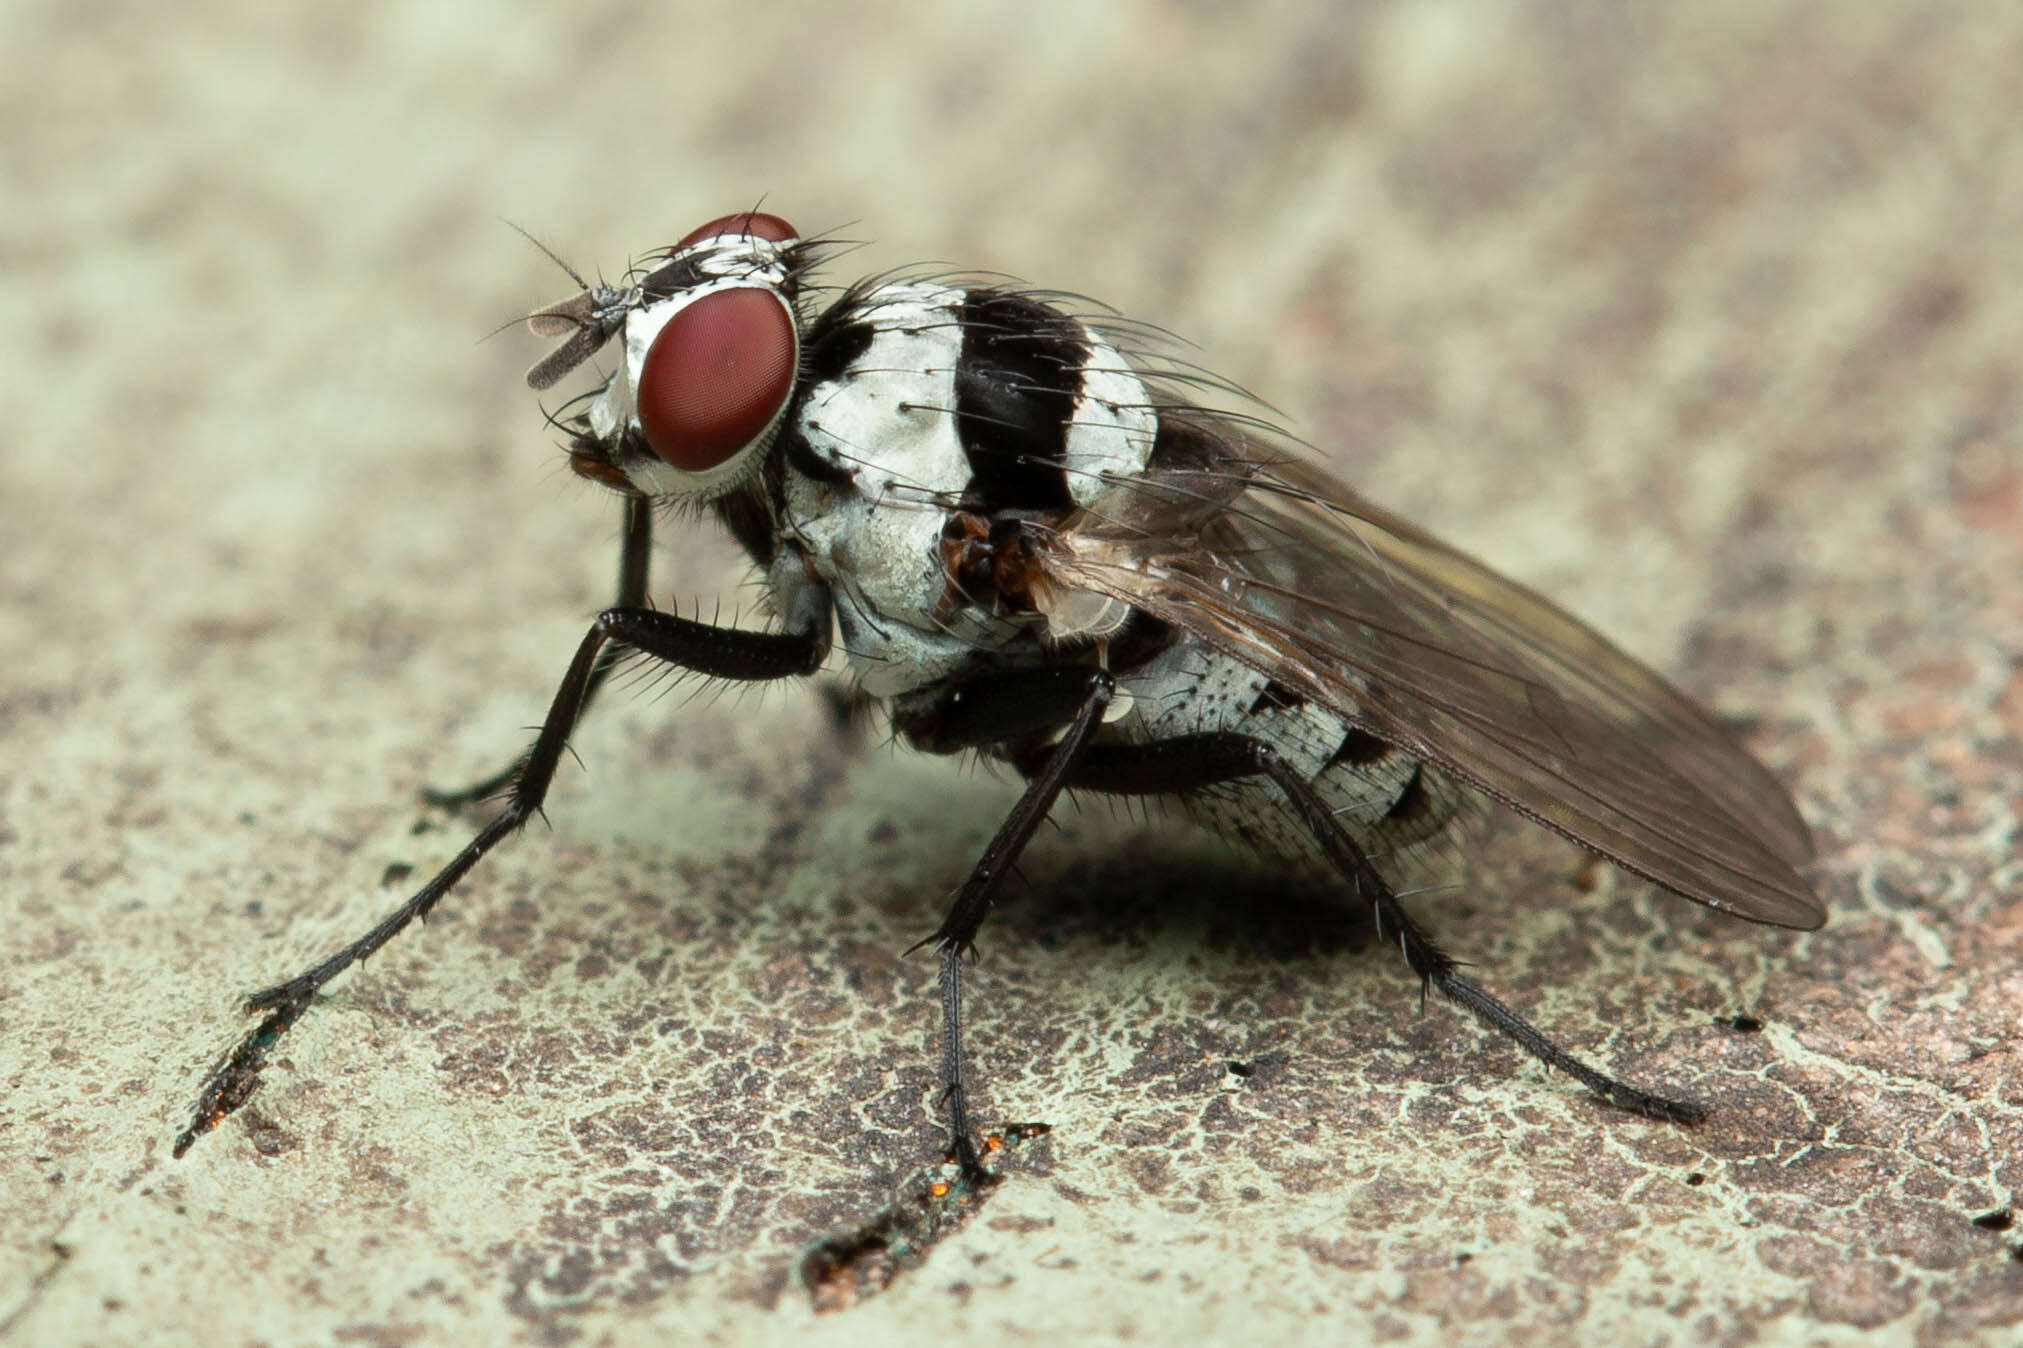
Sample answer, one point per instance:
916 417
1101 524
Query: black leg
990 713
1194 762
998 710
635 556
724 653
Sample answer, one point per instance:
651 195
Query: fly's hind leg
1195 762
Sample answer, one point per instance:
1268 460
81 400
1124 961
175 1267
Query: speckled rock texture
1706 319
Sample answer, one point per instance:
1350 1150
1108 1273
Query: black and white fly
1029 543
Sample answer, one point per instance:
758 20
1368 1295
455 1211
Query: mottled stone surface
1705 319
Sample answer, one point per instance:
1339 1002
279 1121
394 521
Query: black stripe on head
1016 385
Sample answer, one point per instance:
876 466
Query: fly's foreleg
635 554
723 653
1013 707
1196 762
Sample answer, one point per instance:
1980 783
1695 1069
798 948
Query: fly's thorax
865 492
949 406
886 458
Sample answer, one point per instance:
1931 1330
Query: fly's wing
1302 579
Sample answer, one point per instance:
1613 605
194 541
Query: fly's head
710 350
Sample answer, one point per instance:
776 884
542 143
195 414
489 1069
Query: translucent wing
1299 577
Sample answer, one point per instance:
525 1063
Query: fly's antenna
548 253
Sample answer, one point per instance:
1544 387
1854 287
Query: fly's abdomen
1384 797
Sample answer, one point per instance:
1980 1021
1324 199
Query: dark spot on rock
845 1269
1022 1226
269 1138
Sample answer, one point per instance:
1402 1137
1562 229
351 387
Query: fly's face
709 347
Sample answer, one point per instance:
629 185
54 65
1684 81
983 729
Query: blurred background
1700 318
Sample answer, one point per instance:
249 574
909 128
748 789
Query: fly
1031 544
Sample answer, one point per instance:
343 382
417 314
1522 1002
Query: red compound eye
716 376
753 223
